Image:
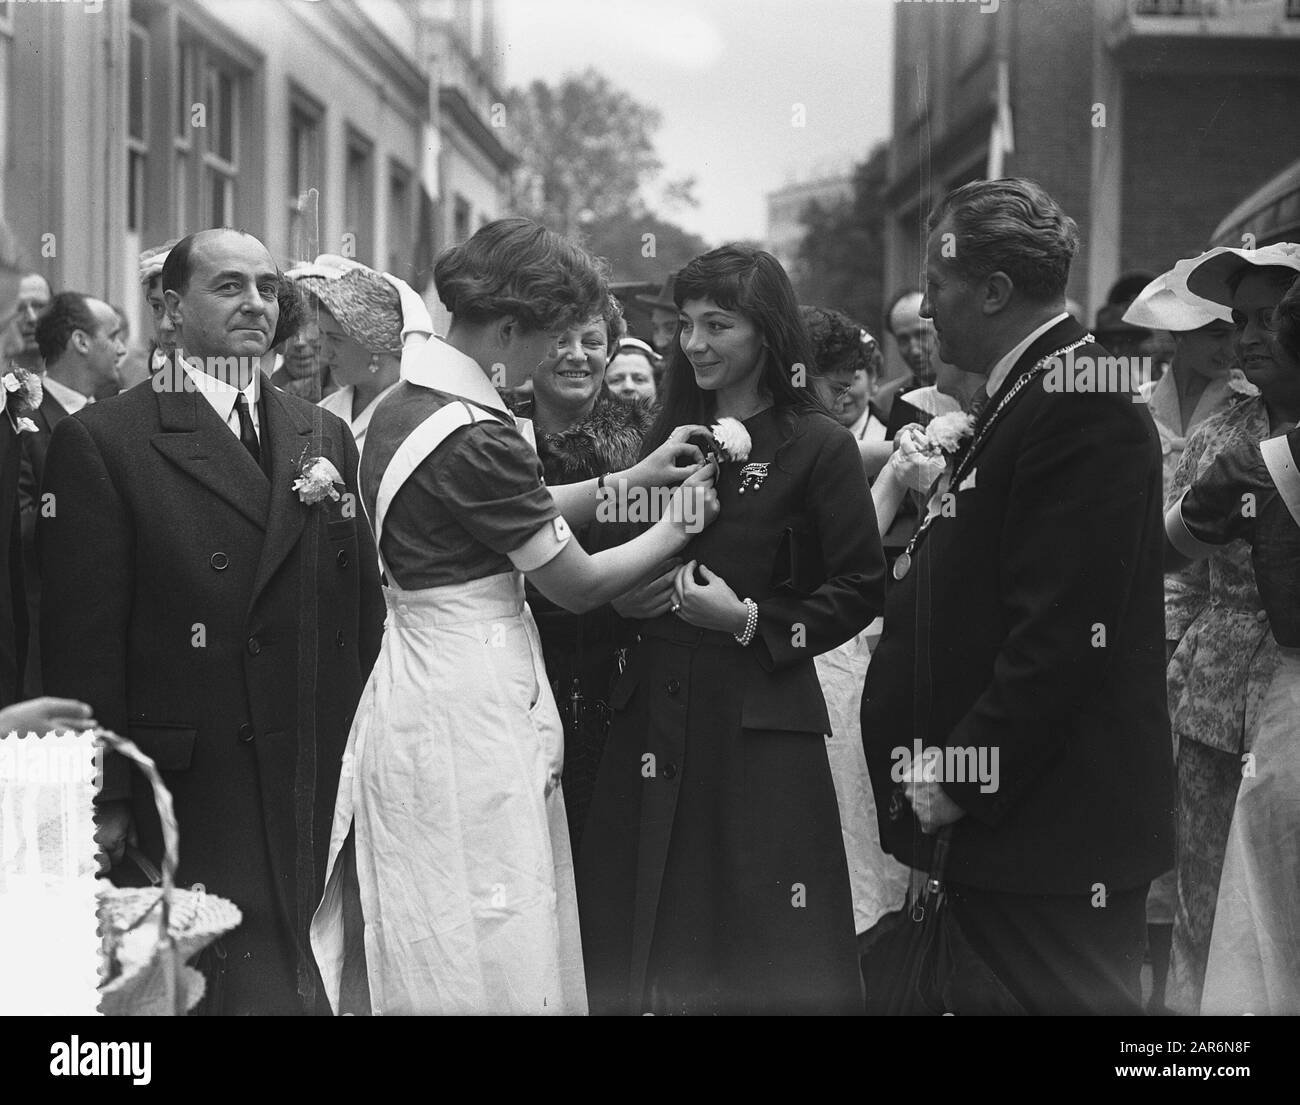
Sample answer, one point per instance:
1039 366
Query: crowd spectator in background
1226 658
80 340
19 337
849 364
583 432
1121 338
363 320
1194 389
663 315
1251 967
634 370
163 344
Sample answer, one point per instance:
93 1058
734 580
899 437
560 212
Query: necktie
978 404
247 434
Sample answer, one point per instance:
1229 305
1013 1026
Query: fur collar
607 440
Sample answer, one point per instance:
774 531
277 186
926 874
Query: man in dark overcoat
218 615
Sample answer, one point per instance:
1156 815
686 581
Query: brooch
752 476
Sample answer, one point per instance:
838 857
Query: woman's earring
374 365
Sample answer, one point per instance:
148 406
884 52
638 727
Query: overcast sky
726 76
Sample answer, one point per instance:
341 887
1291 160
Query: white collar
70 399
932 401
1003 368
443 367
219 393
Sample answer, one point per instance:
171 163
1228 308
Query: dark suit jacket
35 447
1002 617
227 629
13 601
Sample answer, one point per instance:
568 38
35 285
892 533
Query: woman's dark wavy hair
1286 316
517 268
750 282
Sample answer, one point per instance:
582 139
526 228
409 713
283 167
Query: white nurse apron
451 779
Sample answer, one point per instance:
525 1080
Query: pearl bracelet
751 623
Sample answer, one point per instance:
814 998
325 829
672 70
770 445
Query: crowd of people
540 668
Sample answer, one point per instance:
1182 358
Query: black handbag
925 966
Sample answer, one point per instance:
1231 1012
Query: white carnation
732 438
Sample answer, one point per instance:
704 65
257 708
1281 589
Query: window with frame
304 172
358 197
221 147
401 224
137 126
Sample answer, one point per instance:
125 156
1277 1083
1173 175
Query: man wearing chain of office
1027 618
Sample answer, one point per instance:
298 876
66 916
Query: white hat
328 266
1207 276
1159 307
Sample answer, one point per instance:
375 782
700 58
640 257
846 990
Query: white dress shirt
70 399
868 427
222 397
1004 366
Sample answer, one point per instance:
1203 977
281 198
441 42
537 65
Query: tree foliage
587 149
842 256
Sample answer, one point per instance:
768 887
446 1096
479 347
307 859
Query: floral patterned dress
1217 679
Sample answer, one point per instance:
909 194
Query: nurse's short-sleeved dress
1252 492
451 777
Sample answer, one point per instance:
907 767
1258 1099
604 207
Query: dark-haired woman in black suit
712 877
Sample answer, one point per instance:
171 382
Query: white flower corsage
22 396
732 439
948 431
1239 385
317 480
922 454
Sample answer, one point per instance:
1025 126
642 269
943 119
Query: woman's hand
695 503
674 461
708 605
917 461
652 598
46 715
415 312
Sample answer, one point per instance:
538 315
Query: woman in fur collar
583 432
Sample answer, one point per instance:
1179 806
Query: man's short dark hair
179 266
1011 226
67 312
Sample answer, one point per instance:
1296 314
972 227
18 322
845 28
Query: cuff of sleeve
543 547
1182 538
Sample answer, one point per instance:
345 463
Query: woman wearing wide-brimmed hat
1253 964
1223 665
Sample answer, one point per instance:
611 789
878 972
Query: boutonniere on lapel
922 454
317 479
1240 387
728 440
23 394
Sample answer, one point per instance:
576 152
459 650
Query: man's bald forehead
908 307
210 241
200 247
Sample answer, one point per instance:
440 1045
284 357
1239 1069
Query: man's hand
46 715
652 598
114 830
933 808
